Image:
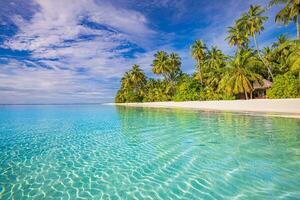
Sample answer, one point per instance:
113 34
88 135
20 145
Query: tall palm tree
137 79
169 67
214 64
126 81
239 77
199 53
290 12
175 63
160 64
237 37
137 76
252 22
215 58
166 65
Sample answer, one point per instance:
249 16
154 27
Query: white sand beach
276 107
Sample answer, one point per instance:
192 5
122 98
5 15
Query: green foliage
221 77
210 93
283 56
188 89
132 86
238 77
285 86
156 90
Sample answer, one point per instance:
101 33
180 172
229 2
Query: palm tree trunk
246 95
251 95
200 74
256 44
262 59
297 26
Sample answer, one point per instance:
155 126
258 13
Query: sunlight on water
94 152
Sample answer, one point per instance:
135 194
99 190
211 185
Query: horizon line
41 104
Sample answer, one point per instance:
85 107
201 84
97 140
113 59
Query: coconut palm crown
289 13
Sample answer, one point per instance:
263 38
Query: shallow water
103 152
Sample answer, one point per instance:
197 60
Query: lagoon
108 152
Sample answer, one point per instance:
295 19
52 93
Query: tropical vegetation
218 76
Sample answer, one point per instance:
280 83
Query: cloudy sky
63 51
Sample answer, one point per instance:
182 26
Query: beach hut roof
265 84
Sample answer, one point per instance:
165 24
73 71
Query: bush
128 96
187 89
285 86
210 94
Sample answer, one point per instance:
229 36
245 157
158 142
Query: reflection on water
94 152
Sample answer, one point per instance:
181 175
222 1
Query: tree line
222 77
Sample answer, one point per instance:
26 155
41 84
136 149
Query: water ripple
126 153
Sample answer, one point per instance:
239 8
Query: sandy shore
278 107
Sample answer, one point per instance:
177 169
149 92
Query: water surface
103 152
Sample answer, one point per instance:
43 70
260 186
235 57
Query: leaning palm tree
252 22
239 77
198 53
290 12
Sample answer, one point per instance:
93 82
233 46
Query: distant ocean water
107 152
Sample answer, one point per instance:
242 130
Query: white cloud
21 84
57 21
57 38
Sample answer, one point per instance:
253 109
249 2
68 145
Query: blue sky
63 51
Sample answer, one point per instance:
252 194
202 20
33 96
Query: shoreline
270 107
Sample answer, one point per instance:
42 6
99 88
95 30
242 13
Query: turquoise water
103 152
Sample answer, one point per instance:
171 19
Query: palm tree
169 67
137 76
199 53
215 58
252 22
161 63
214 64
237 37
137 79
239 77
290 12
290 55
174 63
132 85
126 81
280 40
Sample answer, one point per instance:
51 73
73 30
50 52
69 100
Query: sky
64 51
